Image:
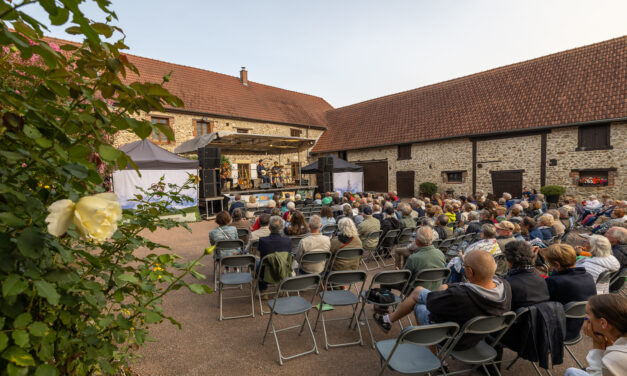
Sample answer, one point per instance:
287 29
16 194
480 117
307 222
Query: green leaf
74 30
127 278
13 285
31 131
48 291
22 320
60 17
43 142
102 29
4 341
153 317
13 370
108 152
10 219
46 370
38 329
20 337
78 152
18 356
143 130
30 242
77 170
196 288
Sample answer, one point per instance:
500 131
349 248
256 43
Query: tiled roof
575 86
214 93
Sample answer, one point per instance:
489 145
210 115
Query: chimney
243 76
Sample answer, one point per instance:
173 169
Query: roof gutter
513 133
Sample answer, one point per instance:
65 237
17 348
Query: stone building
218 102
560 119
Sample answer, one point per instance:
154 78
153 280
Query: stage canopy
339 165
238 142
153 163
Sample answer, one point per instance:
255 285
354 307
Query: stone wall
562 145
183 126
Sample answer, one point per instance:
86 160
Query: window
203 127
157 135
591 178
594 137
242 130
454 177
295 132
343 155
404 152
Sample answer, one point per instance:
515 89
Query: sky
351 51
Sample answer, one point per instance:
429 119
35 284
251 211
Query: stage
248 192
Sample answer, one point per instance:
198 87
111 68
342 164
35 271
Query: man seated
483 295
238 203
368 225
474 225
261 232
272 243
406 220
315 241
505 233
444 232
422 255
618 239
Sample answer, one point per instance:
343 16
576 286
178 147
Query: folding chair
290 306
388 277
427 275
260 267
604 279
386 244
436 243
482 353
404 237
339 298
446 244
616 288
345 254
409 353
295 239
574 310
329 230
223 245
243 234
315 257
375 235
236 278
501 264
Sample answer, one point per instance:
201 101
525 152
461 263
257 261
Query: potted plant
427 189
552 193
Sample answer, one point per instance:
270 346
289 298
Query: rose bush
77 296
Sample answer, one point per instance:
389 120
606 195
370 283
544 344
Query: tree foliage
428 188
69 305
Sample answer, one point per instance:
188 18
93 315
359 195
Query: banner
348 182
126 181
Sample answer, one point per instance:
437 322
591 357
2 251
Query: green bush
76 298
552 190
427 188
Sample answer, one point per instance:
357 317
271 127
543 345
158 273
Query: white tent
153 162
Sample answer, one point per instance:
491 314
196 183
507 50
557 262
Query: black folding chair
385 246
236 278
223 245
375 235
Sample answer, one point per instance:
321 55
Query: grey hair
297 196
507 196
546 220
315 222
290 205
347 227
488 230
600 246
620 233
473 216
517 206
276 224
405 209
424 235
271 204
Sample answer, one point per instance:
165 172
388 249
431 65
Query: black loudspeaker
209 184
325 164
264 186
209 158
278 184
326 182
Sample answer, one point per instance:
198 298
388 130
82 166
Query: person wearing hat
368 225
504 233
262 173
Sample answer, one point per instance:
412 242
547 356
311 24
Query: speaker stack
325 182
209 162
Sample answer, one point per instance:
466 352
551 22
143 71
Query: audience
406 220
367 226
297 225
602 260
606 325
238 221
444 232
347 237
505 233
238 203
528 287
223 232
618 239
389 223
272 243
262 231
315 241
488 241
425 256
326 215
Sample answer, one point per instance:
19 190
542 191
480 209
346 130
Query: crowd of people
524 253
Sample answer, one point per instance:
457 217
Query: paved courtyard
206 346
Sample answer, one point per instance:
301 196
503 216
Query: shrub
552 190
427 188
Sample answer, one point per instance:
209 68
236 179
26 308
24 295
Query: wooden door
405 183
375 176
507 181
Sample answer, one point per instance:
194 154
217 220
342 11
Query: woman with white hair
347 237
602 260
592 203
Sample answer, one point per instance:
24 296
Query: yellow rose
96 216
60 217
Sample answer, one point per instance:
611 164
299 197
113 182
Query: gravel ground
206 346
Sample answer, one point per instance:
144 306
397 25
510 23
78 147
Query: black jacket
445 306
390 223
441 232
620 252
571 285
528 287
540 332
274 243
473 227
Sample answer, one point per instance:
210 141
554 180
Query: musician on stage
225 175
262 173
276 173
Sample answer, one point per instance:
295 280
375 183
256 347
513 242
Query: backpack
381 296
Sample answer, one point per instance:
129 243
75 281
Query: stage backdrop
348 182
125 181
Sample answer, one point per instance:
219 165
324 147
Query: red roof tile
575 86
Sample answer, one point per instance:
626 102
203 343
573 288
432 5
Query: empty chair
386 278
385 245
220 246
375 235
618 280
482 353
236 278
340 298
409 353
329 230
290 306
574 310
